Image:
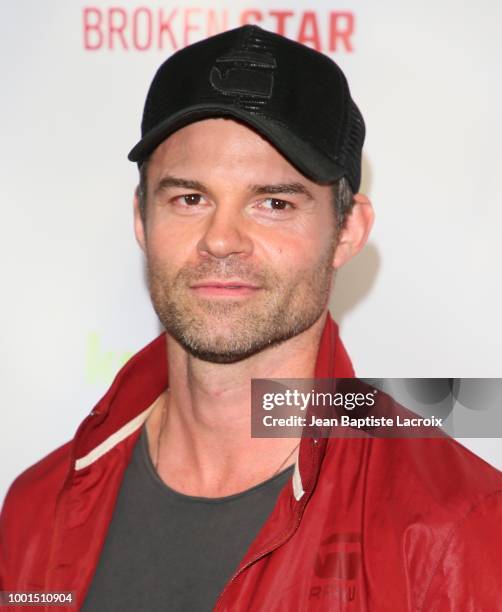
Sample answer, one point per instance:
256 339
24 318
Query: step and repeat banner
422 300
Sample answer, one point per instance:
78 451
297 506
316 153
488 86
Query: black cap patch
244 72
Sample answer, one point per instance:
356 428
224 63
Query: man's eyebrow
172 181
273 189
278 188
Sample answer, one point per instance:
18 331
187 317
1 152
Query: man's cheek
287 249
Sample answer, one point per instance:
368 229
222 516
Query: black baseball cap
295 97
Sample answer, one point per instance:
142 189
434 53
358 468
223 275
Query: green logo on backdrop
102 363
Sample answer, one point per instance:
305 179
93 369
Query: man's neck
205 446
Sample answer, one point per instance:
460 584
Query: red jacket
365 525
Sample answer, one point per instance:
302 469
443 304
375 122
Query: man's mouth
231 288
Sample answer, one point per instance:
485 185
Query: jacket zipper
300 507
263 553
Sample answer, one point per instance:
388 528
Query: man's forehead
213 130
226 146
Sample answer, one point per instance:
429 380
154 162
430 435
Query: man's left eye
275 204
191 199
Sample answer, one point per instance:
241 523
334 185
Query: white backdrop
423 299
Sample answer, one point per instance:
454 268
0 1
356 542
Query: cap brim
306 158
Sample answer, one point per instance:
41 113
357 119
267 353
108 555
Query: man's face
239 244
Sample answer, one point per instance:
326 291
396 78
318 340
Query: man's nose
226 233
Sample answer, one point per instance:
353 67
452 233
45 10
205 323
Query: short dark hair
343 198
142 190
343 201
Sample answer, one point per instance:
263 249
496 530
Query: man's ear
356 231
139 227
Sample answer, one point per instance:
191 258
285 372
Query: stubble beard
226 330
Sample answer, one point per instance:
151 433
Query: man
249 159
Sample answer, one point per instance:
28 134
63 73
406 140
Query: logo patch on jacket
337 567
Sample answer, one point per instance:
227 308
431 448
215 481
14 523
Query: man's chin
231 348
220 357
234 335
219 350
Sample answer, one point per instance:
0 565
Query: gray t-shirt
169 551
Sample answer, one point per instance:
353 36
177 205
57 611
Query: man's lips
228 288
226 283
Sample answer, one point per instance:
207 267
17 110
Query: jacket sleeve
6 529
26 522
468 576
3 567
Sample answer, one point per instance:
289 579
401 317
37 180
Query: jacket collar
137 387
332 362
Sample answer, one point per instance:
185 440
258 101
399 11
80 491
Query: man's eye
190 199
275 204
